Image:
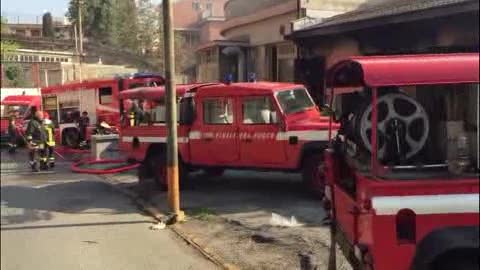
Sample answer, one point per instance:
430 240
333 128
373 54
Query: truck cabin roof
404 70
95 83
246 89
153 93
20 99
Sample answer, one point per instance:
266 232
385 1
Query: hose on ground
76 167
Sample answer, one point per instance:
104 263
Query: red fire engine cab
99 98
260 126
20 106
403 170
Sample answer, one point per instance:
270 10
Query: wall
238 8
262 32
210 30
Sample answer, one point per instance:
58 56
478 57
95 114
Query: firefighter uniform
49 130
12 133
36 137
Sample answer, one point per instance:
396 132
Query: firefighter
12 132
36 137
136 113
49 129
83 123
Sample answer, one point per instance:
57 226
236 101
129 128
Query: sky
30 9
34 7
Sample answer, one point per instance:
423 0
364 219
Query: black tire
458 260
214 172
142 173
158 167
71 138
312 174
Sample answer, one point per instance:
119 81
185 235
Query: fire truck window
105 95
218 111
157 111
258 110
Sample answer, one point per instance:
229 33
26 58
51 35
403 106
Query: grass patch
201 213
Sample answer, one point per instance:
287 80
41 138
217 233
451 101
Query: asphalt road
68 221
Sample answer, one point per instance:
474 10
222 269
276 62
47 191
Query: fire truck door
258 129
213 137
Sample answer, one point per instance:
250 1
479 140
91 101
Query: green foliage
148 27
96 17
3 23
124 25
15 75
47 25
133 25
7 46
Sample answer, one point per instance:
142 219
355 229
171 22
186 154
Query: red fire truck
403 176
21 106
99 98
261 126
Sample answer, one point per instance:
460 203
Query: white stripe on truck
427 204
153 139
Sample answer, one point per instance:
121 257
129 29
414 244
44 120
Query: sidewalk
230 218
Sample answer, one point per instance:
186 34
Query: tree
13 71
96 17
47 25
148 27
7 46
124 25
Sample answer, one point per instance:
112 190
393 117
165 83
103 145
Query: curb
157 215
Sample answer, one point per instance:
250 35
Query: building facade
39 68
383 27
253 38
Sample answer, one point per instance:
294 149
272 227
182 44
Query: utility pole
80 34
172 146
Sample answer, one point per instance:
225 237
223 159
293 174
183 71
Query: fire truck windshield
20 109
294 101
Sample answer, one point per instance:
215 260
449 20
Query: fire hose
77 166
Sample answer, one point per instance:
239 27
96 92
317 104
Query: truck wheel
313 176
71 138
142 173
159 170
458 260
214 172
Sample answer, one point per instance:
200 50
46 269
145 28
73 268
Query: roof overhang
402 70
337 26
224 43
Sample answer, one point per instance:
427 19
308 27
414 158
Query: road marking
427 204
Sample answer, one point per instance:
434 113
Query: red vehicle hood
309 120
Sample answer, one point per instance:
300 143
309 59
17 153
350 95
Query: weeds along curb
157 215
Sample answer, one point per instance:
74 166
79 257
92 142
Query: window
196 5
293 101
259 110
105 95
218 111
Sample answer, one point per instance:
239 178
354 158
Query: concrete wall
210 31
262 32
238 8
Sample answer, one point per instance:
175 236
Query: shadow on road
21 204
249 196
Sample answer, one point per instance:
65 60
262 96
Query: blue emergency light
229 78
